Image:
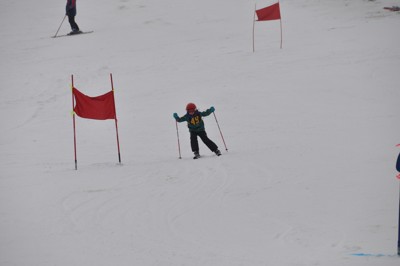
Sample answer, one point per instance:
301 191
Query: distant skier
398 165
70 10
196 128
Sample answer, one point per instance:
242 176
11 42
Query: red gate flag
269 13
100 107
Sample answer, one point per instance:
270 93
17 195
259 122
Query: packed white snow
309 175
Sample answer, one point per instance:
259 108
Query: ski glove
176 116
212 109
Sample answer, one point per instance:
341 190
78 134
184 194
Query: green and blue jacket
195 121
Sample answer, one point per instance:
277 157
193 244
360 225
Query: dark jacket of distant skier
70 9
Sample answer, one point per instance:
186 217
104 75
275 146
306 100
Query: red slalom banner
99 107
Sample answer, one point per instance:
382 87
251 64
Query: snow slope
309 178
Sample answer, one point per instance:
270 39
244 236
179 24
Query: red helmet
191 106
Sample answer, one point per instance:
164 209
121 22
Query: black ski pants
71 20
203 135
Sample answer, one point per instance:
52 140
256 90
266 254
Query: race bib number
195 120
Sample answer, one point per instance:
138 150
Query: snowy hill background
311 131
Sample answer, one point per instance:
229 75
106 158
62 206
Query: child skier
196 128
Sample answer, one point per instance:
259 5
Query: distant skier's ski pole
179 145
55 35
226 148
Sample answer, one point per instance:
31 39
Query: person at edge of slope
193 117
70 11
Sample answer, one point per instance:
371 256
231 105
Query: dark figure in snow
193 117
398 168
70 11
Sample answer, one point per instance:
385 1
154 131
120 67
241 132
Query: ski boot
196 155
218 152
75 31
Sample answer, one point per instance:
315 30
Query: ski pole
220 131
55 35
179 145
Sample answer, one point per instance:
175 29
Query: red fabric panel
101 107
269 13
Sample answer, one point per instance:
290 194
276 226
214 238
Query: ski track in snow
202 185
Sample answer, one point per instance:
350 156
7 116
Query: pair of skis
197 155
69 34
72 34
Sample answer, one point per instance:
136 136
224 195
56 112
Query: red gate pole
73 120
116 120
280 20
254 22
